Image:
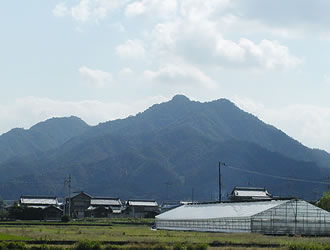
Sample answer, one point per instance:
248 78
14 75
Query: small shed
249 193
277 217
52 213
104 207
142 208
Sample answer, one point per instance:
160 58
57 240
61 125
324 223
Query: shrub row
95 245
309 246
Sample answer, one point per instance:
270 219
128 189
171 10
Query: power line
277 176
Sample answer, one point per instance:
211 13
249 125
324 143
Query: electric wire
277 176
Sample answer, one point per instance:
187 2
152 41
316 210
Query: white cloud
81 11
86 10
308 124
202 9
180 74
131 49
152 8
306 17
200 42
230 50
27 111
269 54
95 76
126 72
119 27
60 10
326 78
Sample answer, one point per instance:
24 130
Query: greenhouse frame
277 217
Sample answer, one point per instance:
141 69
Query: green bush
88 245
308 246
179 246
324 202
159 246
12 245
65 218
3 214
45 247
199 246
111 247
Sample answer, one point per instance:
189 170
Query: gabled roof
144 203
218 210
249 192
50 206
78 193
38 200
105 201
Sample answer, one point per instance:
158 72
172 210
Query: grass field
136 232
4 237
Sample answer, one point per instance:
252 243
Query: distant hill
180 142
41 137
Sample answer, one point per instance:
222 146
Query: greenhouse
266 217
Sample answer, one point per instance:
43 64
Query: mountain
41 137
178 142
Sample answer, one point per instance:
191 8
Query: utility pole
67 182
220 163
167 184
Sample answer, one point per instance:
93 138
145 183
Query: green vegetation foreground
137 234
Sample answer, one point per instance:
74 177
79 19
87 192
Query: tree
3 212
324 202
2 203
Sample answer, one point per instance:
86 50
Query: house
168 205
40 208
52 213
84 205
249 193
104 207
34 201
77 204
141 208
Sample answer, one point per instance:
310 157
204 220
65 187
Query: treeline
16 212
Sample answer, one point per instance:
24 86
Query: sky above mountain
107 59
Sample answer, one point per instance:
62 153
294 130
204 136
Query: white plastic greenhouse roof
218 210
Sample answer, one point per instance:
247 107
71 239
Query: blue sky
107 59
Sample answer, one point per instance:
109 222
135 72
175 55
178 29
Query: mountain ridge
41 137
179 140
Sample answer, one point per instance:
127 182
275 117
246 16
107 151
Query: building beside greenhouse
278 217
